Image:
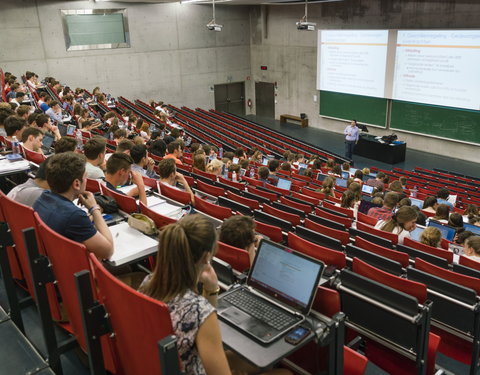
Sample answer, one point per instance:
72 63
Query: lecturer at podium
351 138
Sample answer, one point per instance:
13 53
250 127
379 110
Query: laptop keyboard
258 308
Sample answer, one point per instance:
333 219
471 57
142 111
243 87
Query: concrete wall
290 55
173 56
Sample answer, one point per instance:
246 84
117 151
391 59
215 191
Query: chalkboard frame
347 116
97 12
432 107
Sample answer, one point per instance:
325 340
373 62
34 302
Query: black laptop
278 294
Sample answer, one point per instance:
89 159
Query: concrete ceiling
230 2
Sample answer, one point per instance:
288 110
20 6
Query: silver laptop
278 294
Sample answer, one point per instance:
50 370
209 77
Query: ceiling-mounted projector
214 26
309 26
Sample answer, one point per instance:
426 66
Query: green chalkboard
88 29
445 122
364 109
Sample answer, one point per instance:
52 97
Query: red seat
14 262
303 207
150 182
252 181
211 209
428 213
250 203
35 157
338 219
271 231
292 218
237 258
345 211
398 256
314 194
341 235
205 174
366 219
234 184
125 203
93 186
467 262
210 189
270 196
175 194
445 254
326 255
66 258
159 220
306 198
277 189
132 314
377 232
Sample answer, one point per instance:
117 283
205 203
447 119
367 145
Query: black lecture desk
369 147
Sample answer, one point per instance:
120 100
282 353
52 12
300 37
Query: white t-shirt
93 172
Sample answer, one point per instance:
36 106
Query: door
265 99
230 97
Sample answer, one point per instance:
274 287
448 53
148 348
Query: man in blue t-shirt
66 177
442 197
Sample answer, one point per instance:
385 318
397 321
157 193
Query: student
470 211
377 181
169 176
386 211
328 187
349 201
123 147
66 177
199 161
214 167
119 171
401 223
472 248
32 139
158 148
442 197
174 150
65 144
431 236
441 214
430 204
14 127
28 192
189 245
273 167
142 161
239 231
55 111
455 220
263 174
95 150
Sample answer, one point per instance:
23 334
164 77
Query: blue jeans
349 145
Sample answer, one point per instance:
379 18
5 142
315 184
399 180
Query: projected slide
438 67
353 61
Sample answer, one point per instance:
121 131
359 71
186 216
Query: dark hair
273 165
263 173
348 199
32 118
138 152
442 212
429 201
199 161
158 148
180 247
286 166
19 94
63 170
172 146
42 119
238 231
166 167
23 110
402 216
65 144
35 132
94 147
462 236
358 174
54 103
125 145
390 200
443 193
239 152
455 220
14 124
5 113
118 161
120 133
42 170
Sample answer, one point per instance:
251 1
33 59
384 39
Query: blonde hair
431 236
214 166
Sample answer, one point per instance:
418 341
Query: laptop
345 175
235 161
367 189
277 296
417 232
341 182
265 161
283 183
321 177
472 228
447 232
47 142
71 130
416 202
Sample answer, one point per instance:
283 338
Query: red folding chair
397 256
271 231
342 210
303 207
250 203
362 218
175 194
292 218
93 186
445 254
211 209
377 232
342 236
339 219
210 189
237 258
125 203
159 220
34 157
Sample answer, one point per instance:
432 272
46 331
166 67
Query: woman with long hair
401 223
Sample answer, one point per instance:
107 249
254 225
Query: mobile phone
297 335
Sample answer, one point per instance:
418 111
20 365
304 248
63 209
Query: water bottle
252 172
162 134
225 172
78 136
234 176
220 152
413 193
15 146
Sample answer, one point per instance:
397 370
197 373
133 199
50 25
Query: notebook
447 232
277 296
367 189
47 141
341 182
416 202
283 183
416 233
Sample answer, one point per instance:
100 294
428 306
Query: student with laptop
189 245
401 223
32 139
471 248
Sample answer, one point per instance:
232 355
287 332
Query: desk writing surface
130 244
7 166
262 356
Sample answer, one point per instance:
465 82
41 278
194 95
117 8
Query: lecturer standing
351 138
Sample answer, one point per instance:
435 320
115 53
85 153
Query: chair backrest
13 261
250 203
306 198
304 207
398 256
237 258
132 315
328 256
312 193
417 290
150 182
211 209
448 255
270 196
345 211
237 185
377 232
292 218
125 203
271 231
466 261
366 219
175 194
343 236
93 185
210 189
35 157
339 219
210 176
252 181
159 220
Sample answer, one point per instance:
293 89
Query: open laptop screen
447 232
416 233
286 275
47 141
282 183
341 182
472 228
367 189
345 175
321 177
417 202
